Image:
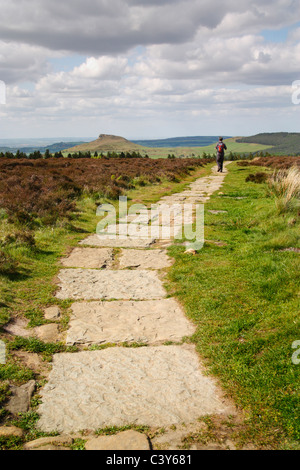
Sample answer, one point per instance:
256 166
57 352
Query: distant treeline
37 154
230 156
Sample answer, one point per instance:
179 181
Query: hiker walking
220 147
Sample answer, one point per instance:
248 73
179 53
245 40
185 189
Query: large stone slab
90 284
128 242
154 386
89 258
127 440
145 259
148 321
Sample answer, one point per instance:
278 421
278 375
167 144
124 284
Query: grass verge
243 295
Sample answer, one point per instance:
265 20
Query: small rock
17 327
230 444
51 447
295 250
127 440
11 431
42 443
52 313
48 333
217 243
190 252
292 222
21 396
217 212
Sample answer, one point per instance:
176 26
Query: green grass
112 430
244 299
236 147
231 143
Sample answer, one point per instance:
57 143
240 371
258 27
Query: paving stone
142 259
128 242
167 215
51 447
152 322
154 231
52 313
20 399
154 386
127 440
142 219
18 327
295 250
89 258
6 431
89 284
48 333
63 440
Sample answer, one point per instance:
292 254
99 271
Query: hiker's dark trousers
220 161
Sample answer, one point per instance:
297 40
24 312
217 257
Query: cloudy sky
148 68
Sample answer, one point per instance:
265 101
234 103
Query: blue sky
152 69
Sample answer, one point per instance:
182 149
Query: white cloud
102 68
20 62
198 59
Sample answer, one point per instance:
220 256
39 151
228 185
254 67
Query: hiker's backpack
220 147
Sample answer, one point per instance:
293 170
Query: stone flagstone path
118 293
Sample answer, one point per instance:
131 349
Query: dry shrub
19 238
285 185
47 189
7 264
259 177
278 162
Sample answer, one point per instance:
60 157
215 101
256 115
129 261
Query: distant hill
108 143
57 147
161 148
173 142
283 143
